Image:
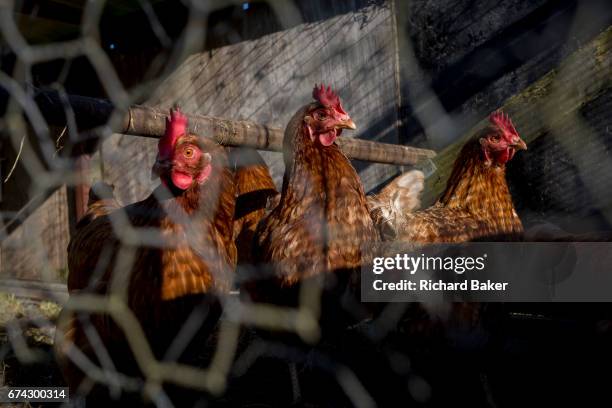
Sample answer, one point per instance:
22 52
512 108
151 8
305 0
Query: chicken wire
398 105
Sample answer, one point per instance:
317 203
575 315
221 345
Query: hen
322 216
183 252
317 236
476 203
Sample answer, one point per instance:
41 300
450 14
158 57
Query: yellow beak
347 124
520 145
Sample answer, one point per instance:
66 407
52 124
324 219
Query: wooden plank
36 248
266 80
35 289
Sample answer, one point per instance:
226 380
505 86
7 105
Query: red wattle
327 139
181 180
503 156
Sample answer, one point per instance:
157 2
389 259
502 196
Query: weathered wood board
36 249
268 79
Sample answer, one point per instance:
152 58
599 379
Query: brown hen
476 203
177 259
322 217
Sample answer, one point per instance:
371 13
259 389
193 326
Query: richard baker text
439 285
488 272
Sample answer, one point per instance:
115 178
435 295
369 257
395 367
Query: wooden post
81 190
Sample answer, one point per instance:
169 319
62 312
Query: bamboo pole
150 122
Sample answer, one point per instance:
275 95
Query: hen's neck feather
197 223
480 188
323 201
311 169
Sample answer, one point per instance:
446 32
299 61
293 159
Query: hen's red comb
327 97
502 120
176 126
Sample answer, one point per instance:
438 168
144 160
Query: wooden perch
149 122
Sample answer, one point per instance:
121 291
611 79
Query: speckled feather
213 216
164 284
254 189
476 205
322 217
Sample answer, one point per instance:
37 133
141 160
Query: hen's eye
495 138
188 152
320 116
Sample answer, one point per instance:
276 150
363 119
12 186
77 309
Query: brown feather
101 202
164 282
476 205
322 218
254 189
